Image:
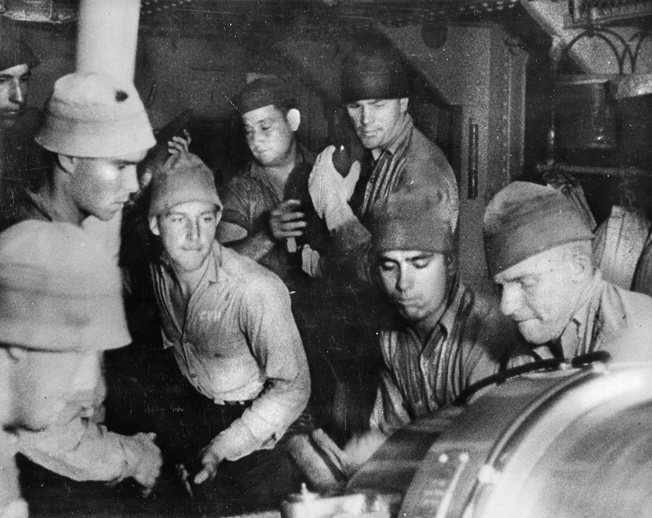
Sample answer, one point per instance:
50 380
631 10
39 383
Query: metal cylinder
556 444
585 113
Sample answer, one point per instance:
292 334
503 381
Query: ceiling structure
217 15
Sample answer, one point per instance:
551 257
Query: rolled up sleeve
274 339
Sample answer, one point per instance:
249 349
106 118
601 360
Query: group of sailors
241 432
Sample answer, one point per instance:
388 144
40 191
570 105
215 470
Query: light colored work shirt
239 342
608 318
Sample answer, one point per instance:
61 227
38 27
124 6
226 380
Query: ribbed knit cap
264 92
14 51
59 290
373 72
95 116
525 219
183 177
412 221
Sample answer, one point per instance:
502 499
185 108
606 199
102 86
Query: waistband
238 403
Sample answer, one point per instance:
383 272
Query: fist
148 460
209 461
286 221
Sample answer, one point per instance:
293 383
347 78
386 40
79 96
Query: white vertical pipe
106 42
107 37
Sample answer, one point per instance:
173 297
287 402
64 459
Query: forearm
81 451
255 246
265 422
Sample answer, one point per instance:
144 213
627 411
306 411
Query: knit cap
59 290
373 72
183 177
412 221
264 92
95 115
14 51
525 219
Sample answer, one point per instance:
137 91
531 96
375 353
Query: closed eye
387 266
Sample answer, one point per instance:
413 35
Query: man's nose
510 300
192 230
130 181
256 138
17 92
88 375
366 115
404 281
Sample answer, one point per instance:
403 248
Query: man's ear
582 266
294 119
67 163
153 226
403 104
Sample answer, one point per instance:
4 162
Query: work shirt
238 342
409 163
471 341
81 449
607 318
250 197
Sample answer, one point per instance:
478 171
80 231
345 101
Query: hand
179 144
147 460
209 460
285 221
311 261
361 447
330 192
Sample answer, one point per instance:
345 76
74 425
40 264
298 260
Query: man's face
187 231
539 295
101 186
377 121
13 94
270 135
416 283
53 387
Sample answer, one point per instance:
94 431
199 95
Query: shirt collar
401 136
449 317
215 262
582 315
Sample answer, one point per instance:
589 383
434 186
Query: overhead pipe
106 43
107 37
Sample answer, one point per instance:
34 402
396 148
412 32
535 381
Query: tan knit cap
412 221
525 219
95 115
183 177
59 290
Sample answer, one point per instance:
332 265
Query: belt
238 403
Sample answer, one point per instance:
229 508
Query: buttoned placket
425 353
182 329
